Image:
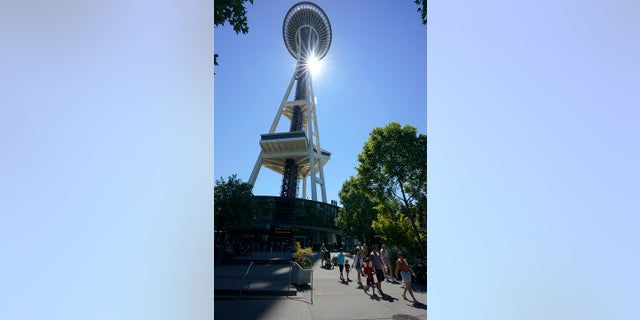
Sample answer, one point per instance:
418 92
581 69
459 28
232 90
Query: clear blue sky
374 74
106 160
107 149
533 159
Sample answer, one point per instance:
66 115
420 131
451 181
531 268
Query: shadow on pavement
420 305
389 298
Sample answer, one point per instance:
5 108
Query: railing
244 277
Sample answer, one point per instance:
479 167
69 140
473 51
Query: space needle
297 154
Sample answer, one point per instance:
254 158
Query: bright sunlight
314 65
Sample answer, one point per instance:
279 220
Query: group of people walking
375 266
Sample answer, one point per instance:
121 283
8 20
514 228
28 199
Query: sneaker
381 293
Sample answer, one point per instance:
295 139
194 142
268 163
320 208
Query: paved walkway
331 299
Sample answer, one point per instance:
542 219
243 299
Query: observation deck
277 147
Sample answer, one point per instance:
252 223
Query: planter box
299 275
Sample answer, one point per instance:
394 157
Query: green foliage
394 161
422 9
392 227
232 11
357 212
302 256
419 267
393 173
233 205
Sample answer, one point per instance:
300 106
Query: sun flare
314 65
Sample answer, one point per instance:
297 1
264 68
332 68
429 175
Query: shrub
302 256
419 267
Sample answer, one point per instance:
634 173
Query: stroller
328 264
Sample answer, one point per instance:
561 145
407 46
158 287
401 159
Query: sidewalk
331 298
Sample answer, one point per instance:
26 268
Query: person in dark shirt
378 266
347 267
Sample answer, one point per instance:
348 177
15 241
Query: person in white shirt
358 264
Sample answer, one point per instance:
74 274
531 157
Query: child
369 271
347 267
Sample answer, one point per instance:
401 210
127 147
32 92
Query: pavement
267 294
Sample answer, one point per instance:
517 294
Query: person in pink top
405 271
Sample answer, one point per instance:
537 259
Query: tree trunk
408 213
415 230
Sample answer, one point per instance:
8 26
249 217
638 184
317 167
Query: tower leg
322 188
274 125
256 170
304 188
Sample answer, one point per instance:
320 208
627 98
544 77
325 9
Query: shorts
340 266
380 275
406 277
370 282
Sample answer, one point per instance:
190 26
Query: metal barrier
244 277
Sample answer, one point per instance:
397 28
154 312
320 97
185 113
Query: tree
391 226
357 212
233 205
232 11
393 167
422 10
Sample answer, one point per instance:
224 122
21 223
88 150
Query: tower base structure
296 154
311 223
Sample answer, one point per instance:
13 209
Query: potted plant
302 256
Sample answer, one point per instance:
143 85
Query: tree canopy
390 189
393 165
232 11
422 9
392 227
357 212
233 204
